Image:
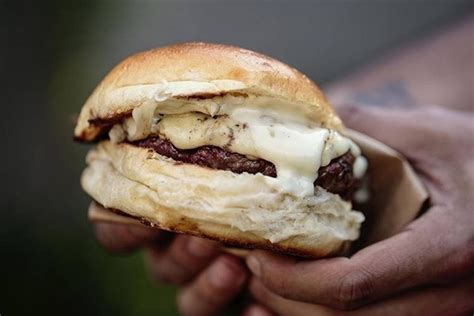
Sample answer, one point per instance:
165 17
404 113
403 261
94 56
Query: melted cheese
296 147
296 151
360 167
142 122
177 98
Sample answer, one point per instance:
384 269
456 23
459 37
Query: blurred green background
52 55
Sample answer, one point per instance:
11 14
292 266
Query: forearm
435 70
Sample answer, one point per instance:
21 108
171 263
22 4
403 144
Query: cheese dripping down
296 149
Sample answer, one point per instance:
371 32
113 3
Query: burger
223 143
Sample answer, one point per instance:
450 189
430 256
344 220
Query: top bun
239 71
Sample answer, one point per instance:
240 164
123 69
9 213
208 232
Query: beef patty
337 177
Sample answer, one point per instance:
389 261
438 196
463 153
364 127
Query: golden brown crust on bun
198 95
229 69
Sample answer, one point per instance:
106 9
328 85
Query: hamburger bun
199 96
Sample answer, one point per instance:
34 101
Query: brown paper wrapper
396 195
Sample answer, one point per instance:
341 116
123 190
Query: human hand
428 268
208 279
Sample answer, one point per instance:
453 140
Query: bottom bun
244 210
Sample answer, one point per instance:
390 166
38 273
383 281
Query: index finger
214 288
121 238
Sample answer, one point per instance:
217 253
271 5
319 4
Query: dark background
53 53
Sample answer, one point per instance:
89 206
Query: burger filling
337 177
247 139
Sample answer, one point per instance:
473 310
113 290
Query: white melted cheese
360 167
141 123
296 149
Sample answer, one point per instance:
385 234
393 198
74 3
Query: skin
430 261
434 70
208 278
427 269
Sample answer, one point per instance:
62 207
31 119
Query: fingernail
226 274
257 310
200 248
254 265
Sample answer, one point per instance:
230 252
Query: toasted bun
227 69
239 209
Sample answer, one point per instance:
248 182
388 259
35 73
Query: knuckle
278 283
354 289
173 265
180 256
198 299
163 270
